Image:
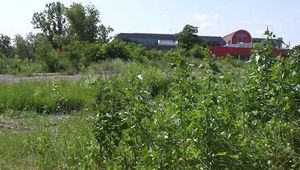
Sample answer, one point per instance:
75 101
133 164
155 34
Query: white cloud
206 25
200 17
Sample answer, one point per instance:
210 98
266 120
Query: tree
104 33
5 46
24 48
83 22
188 37
51 22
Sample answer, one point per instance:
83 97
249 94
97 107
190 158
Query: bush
198 52
125 51
116 49
17 66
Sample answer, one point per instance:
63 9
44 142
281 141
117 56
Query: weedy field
208 114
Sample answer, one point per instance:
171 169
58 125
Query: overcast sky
212 17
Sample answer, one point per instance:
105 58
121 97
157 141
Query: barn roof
147 36
212 40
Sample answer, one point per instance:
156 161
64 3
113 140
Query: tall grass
44 97
23 67
69 145
14 152
49 142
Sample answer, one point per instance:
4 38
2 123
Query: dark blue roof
147 35
210 40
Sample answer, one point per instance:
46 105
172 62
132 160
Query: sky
212 17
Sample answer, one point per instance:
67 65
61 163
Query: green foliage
83 22
51 98
198 51
125 51
56 61
5 46
49 56
104 33
48 142
14 152
70 145
149 120
51 22
84 53
116 99
18 66
116 49
188 37
24 48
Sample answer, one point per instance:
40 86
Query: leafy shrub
197 51
125 51
116 49
154 55
18 66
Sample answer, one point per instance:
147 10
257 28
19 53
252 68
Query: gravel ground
27 124
5 78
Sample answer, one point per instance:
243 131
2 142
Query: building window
167 42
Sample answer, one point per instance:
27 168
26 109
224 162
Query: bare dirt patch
5 78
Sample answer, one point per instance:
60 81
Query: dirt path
28 124
5 78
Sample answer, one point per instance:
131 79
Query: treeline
68 37
71 38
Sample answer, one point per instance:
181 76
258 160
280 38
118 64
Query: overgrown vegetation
148 109
53 98
194 115
204 122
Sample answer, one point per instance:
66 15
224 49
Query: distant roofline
174 37
210 36
136 33
146 33
237 31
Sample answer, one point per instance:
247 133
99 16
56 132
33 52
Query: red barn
239 44
240 36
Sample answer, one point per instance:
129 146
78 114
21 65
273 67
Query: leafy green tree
188 37
24 48
104 33
51 22
5 46
83 22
